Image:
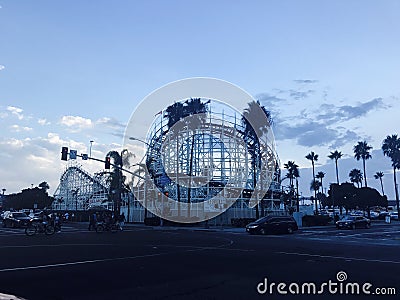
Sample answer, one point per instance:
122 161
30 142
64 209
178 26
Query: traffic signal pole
65 151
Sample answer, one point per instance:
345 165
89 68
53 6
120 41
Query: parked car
382 215
374 215
394 215
353 222
272 224
15 219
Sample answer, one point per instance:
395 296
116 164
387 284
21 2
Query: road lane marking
194 249
339 257
79 262
52 245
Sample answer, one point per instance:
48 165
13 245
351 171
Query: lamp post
145 194
90 149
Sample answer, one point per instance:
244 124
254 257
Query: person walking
121 221
92 221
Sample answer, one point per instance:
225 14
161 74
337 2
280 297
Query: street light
139 140
90 149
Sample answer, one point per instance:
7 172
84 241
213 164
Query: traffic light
64 153
108 162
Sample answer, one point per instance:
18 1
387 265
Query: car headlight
252 226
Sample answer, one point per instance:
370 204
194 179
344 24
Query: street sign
72 154
84 157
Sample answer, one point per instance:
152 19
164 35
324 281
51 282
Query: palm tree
44 186
391 148
291 167
293 173
315 185
313 157
116 179
254 126
196 109
356 176
174 113
320 175
361 151
336 155
379 175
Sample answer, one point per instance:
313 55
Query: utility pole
90 149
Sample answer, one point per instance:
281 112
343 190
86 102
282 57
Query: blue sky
74 71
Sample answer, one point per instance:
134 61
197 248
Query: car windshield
19 215
262 220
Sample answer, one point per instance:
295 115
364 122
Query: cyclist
43 220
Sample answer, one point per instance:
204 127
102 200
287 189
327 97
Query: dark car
353 222
272 224
16 219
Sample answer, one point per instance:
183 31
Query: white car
374 214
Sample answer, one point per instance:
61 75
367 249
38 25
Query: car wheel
262 231
99 228
290 230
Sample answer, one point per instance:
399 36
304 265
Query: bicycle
39 227
101 227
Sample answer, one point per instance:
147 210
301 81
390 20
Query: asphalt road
192 263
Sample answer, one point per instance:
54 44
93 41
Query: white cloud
76 123
43 122
110 122
17 128
13 143
1 66
16 111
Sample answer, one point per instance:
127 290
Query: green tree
116 180
293 169
253 119
293 174
356 176
44 185
196 109
361 151
379 175
313 158
174 113
336 155
315 186
320 175
391 148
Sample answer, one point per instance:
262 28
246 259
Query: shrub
153 221
241 222
316 220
